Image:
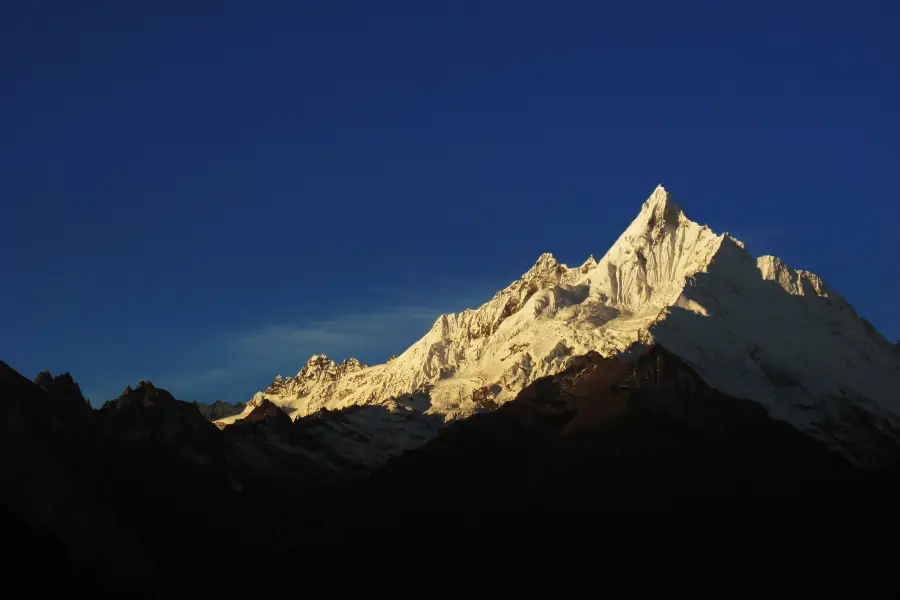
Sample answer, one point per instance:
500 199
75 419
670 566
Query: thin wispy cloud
343 334
195 379
183 384
234 364
274 337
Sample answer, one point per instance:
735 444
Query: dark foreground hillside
146 494
605 441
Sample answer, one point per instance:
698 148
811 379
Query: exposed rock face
146 395
148 414
220 409
269 415
61 386
64 398
484 397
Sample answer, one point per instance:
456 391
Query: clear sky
204 194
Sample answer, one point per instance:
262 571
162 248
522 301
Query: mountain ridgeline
751 328
675 383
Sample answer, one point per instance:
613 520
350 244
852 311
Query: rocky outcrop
62 387
220 409
267 415
315 384
145 396
63 401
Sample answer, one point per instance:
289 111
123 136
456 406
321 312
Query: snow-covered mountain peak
754 329
648 265
658 211
546 263
352 364
319 364
546 271
661 197
316 362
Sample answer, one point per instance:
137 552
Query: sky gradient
204 194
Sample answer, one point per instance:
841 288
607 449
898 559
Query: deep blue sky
205 195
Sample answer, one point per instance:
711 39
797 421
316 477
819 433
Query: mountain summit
753 329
